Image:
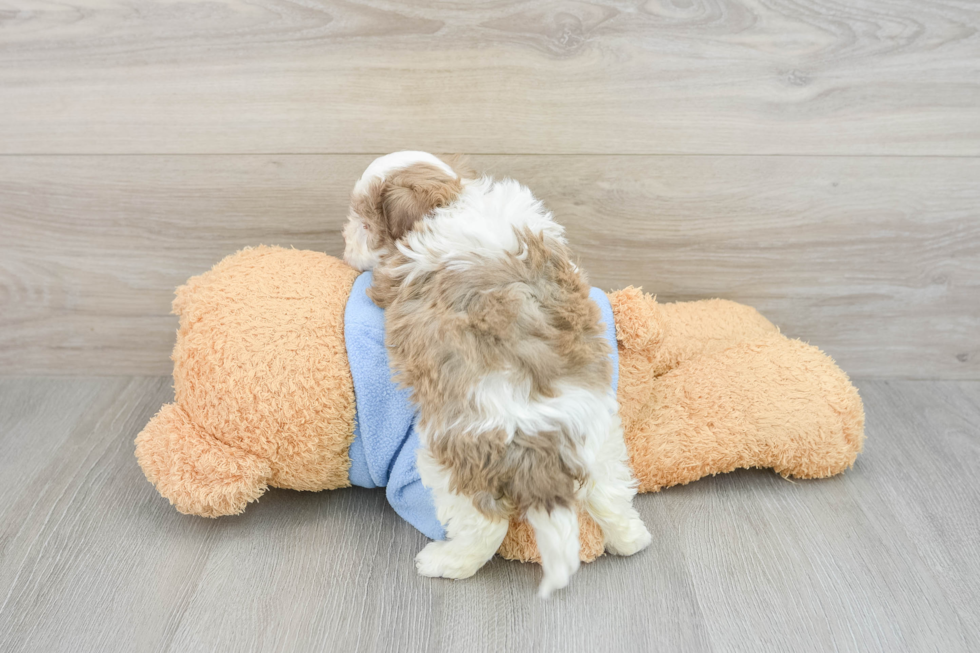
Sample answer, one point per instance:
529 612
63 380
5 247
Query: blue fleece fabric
383 451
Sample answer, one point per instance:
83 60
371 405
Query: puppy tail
557 535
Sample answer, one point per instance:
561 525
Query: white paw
443 560
633 537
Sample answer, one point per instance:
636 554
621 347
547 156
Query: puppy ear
461 166
412 193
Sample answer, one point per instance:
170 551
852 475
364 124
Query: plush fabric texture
383 453
265 396
263 392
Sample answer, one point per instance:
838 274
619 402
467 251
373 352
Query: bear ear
639 322
412 193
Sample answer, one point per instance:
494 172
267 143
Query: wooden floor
882 558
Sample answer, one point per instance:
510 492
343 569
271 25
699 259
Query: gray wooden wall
820 162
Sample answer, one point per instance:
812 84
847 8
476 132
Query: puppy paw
626 541
443 560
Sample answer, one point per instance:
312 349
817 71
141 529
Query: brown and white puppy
490 325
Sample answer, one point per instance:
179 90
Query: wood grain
881 558
874 259
665 76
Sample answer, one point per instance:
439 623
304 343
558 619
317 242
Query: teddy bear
265 395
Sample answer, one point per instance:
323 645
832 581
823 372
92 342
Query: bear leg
198 473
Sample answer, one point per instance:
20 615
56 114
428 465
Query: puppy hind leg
471 537
609 497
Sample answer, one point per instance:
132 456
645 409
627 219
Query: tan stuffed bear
265 397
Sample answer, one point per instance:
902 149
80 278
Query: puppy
490 325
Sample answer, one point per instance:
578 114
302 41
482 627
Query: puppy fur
490 325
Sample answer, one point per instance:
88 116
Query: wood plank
881 558
874 259
946 448
738 77
873 532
